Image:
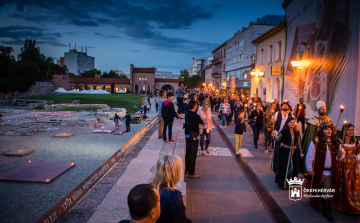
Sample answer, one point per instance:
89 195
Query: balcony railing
216 60
216 74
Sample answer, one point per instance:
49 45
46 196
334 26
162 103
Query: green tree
54 69
194 81
7 62
72 75
123 76
91 73
184 74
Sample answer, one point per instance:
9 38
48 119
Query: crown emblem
295 181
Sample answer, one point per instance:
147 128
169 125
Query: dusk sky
165 34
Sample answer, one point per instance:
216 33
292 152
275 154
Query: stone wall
40 88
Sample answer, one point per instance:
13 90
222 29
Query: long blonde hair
168 172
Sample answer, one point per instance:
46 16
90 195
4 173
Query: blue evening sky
165 34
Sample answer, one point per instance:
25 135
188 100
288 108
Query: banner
324 35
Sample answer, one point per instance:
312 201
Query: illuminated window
245 84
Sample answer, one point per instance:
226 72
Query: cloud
16 35
105 36
140 20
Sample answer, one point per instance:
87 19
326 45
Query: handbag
193 135
252 122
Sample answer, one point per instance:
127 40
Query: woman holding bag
205 115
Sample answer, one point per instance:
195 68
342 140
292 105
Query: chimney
243 29
257 19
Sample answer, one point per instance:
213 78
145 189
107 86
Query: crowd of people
310 147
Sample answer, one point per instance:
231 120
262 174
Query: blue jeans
223 119
202 139
256 133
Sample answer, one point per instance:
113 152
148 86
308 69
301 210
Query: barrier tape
69 201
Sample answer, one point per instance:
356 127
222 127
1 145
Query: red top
301 111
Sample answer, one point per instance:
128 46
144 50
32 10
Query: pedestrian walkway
260 163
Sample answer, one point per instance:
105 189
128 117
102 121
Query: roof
144 70
86 80
271 20
269 32
219 47
168 80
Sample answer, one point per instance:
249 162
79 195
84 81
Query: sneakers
203 153
238 153
225 127
171 141
266 152
207 151
194 176
165 141
159 137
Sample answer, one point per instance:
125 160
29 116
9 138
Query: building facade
218 74
241 53
78 62
270 51
199 64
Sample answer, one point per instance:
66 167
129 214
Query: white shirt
206 118
311 155
283 120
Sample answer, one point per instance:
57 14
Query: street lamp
297 62
258 74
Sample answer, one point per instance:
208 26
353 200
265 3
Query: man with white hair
311 126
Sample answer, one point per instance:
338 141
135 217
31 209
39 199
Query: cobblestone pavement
296 211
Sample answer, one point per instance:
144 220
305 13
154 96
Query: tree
123 76
53 69
184 74
90 73
113 74
194 81
72 75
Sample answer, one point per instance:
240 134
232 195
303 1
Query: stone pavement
296 211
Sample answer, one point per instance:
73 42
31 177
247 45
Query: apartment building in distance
199 64
218 69
241 53
78 62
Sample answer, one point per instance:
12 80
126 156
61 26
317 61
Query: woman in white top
205 115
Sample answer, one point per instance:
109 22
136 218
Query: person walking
127 121
192 122
269 126
240 129
225 110
162 94
206 129
257 115
116 121
279 122
168 113
238 108
181 91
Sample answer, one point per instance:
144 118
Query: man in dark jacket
257 114
192 122
168 114
127 121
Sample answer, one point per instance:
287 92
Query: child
145 109
168 114
127 121
186 106
240 129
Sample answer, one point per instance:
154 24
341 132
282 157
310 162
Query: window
240 57
241 43
236 46
245 76
278 50
224 53
224 67
234 60
139 78
221 54
261 57
270 53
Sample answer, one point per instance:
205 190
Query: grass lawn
113 100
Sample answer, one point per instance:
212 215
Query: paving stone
228 219
210 209
230 200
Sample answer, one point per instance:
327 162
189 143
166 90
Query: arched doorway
167 87
268 90
116 89
99 87
126 89
277 89
260 89
81 87
60 87
108 88
136 88
148 89
90 87
143 88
